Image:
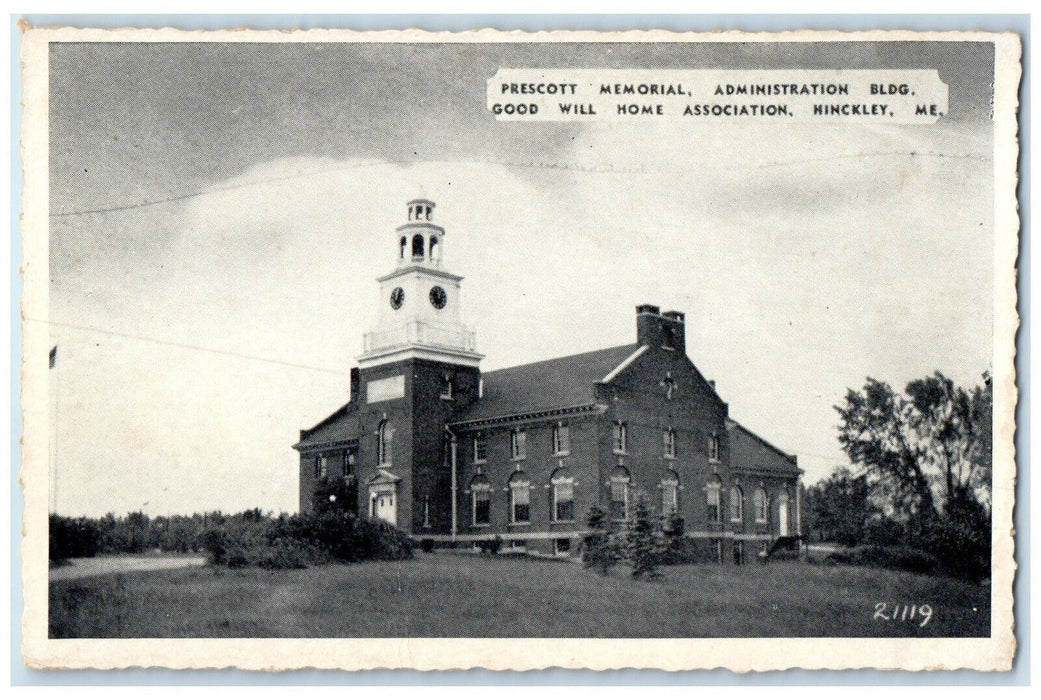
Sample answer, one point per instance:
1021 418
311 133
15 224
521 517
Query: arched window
619 482
417 246
737 504
563 486
712 495
670 493
403 246
434 249
384 442
520 498
762 505
481 495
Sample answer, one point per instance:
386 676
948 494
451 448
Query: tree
598 551
643 548
927 450
926 455
839 507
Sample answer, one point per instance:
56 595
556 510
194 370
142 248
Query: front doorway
383 497
382 506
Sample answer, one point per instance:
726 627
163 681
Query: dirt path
80 568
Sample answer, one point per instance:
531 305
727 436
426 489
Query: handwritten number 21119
904 613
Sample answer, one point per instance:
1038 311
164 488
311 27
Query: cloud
799 275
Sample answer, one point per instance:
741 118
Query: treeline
136 533
249 538
918 496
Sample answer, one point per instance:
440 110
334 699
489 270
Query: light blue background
1021 673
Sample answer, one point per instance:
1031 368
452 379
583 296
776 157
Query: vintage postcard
415 350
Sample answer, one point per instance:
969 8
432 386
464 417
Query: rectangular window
520 494
737 505
349 460
446 388
482 506
670 497
713 448
669 439
619 498
714 514
317 467
480 448
517 440
561 440
323 467
564 500
621 437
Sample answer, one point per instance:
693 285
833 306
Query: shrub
72 537
215 542
427 545
643 549
690 551
599 551
899 557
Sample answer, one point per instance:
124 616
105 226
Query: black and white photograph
584 350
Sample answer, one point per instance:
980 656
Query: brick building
446 452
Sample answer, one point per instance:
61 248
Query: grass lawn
451 595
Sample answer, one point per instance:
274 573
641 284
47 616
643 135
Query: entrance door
383 506
782 514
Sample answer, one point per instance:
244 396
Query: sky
219 214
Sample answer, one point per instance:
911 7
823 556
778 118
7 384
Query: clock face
438 297
397 297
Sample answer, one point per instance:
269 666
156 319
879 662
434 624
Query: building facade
431 444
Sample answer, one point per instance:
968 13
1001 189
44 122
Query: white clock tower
419 315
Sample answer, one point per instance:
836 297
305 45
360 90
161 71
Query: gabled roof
563 382
341 426
751 452
383 476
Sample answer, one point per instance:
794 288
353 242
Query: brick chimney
657 329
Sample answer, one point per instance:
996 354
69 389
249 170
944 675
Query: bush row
299 541
246 539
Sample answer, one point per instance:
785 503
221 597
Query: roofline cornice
420 268
328 444
580 409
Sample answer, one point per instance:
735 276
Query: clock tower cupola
419 310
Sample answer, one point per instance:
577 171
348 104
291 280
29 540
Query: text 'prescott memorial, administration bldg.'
431 444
